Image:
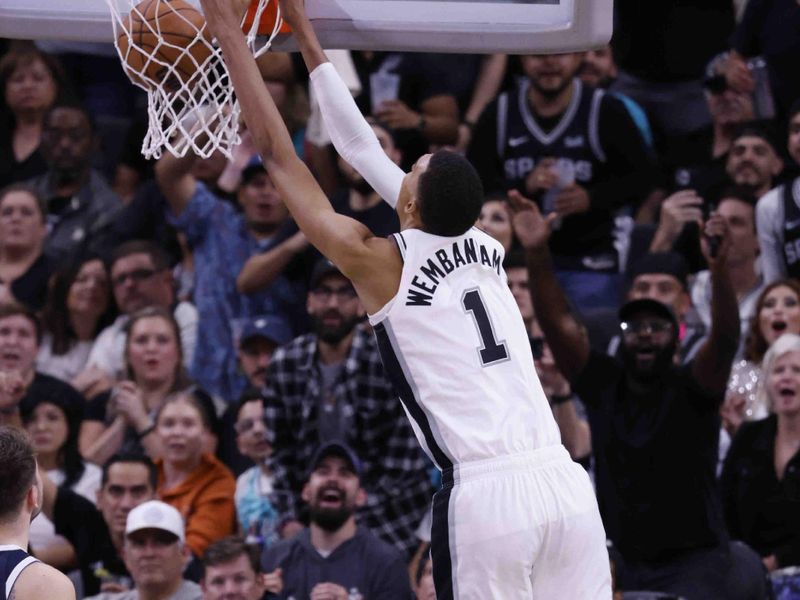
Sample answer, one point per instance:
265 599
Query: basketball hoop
166 50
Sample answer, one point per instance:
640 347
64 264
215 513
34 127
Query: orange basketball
166 30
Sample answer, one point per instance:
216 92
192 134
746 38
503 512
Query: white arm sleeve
352 136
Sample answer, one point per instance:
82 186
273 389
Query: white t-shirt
64 366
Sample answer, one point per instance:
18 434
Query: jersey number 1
491 351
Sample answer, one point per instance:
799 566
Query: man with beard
753 161
22 577
577 152
80 204
330 384
336 559
655 425
358 200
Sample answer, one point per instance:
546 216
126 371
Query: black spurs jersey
521 143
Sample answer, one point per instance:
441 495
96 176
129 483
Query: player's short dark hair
250 394
13 309
135 458
741 193
17 471
228 549
449 194
157 255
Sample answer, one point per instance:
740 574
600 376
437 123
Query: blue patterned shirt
221 243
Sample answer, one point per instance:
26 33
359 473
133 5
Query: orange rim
267 23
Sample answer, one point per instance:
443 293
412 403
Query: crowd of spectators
204 394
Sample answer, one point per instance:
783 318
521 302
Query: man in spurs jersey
516 518
22 577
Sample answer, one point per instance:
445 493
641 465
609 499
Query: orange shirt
205 499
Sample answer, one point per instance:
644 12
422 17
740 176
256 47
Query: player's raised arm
350 133
339 238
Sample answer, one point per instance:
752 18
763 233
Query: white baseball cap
155 514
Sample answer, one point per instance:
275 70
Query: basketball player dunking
516 518
22 577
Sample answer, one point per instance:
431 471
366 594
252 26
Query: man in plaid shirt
330 385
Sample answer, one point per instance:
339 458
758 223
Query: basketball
167 31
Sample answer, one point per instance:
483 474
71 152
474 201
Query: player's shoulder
39 580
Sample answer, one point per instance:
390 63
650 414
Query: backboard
507 26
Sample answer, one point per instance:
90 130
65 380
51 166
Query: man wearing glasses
330 384
654 423
140 277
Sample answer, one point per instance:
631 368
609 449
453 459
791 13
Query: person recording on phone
576 151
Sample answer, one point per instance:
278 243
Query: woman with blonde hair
760 480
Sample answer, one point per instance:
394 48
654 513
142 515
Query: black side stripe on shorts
441 560
394 369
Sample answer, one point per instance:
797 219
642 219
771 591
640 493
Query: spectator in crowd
544 139
97 533
517 275
654 425
696 160
662 54
259 339
78 307
663 276
123 418
358 200
778 215
496 220
760 478
413 94
189 477
330 384
24 270
777 311
21 499
222 239
20 334
155 553
754 161
233 570
262 512
140 278
80 204
335 557
737 207
53 424
767 29
30 82
423 579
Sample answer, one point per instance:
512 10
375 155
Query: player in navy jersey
22 577
516 518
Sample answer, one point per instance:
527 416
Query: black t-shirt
655 456
30 288
79 521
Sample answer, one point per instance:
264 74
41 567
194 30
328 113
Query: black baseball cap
336 448
664 263
632 308
322 269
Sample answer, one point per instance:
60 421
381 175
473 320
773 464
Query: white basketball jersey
454 345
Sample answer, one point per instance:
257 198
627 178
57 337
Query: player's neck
546 105
328 541
16 533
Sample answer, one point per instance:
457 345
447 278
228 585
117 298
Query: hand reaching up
531 228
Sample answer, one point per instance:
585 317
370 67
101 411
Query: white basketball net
191 105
